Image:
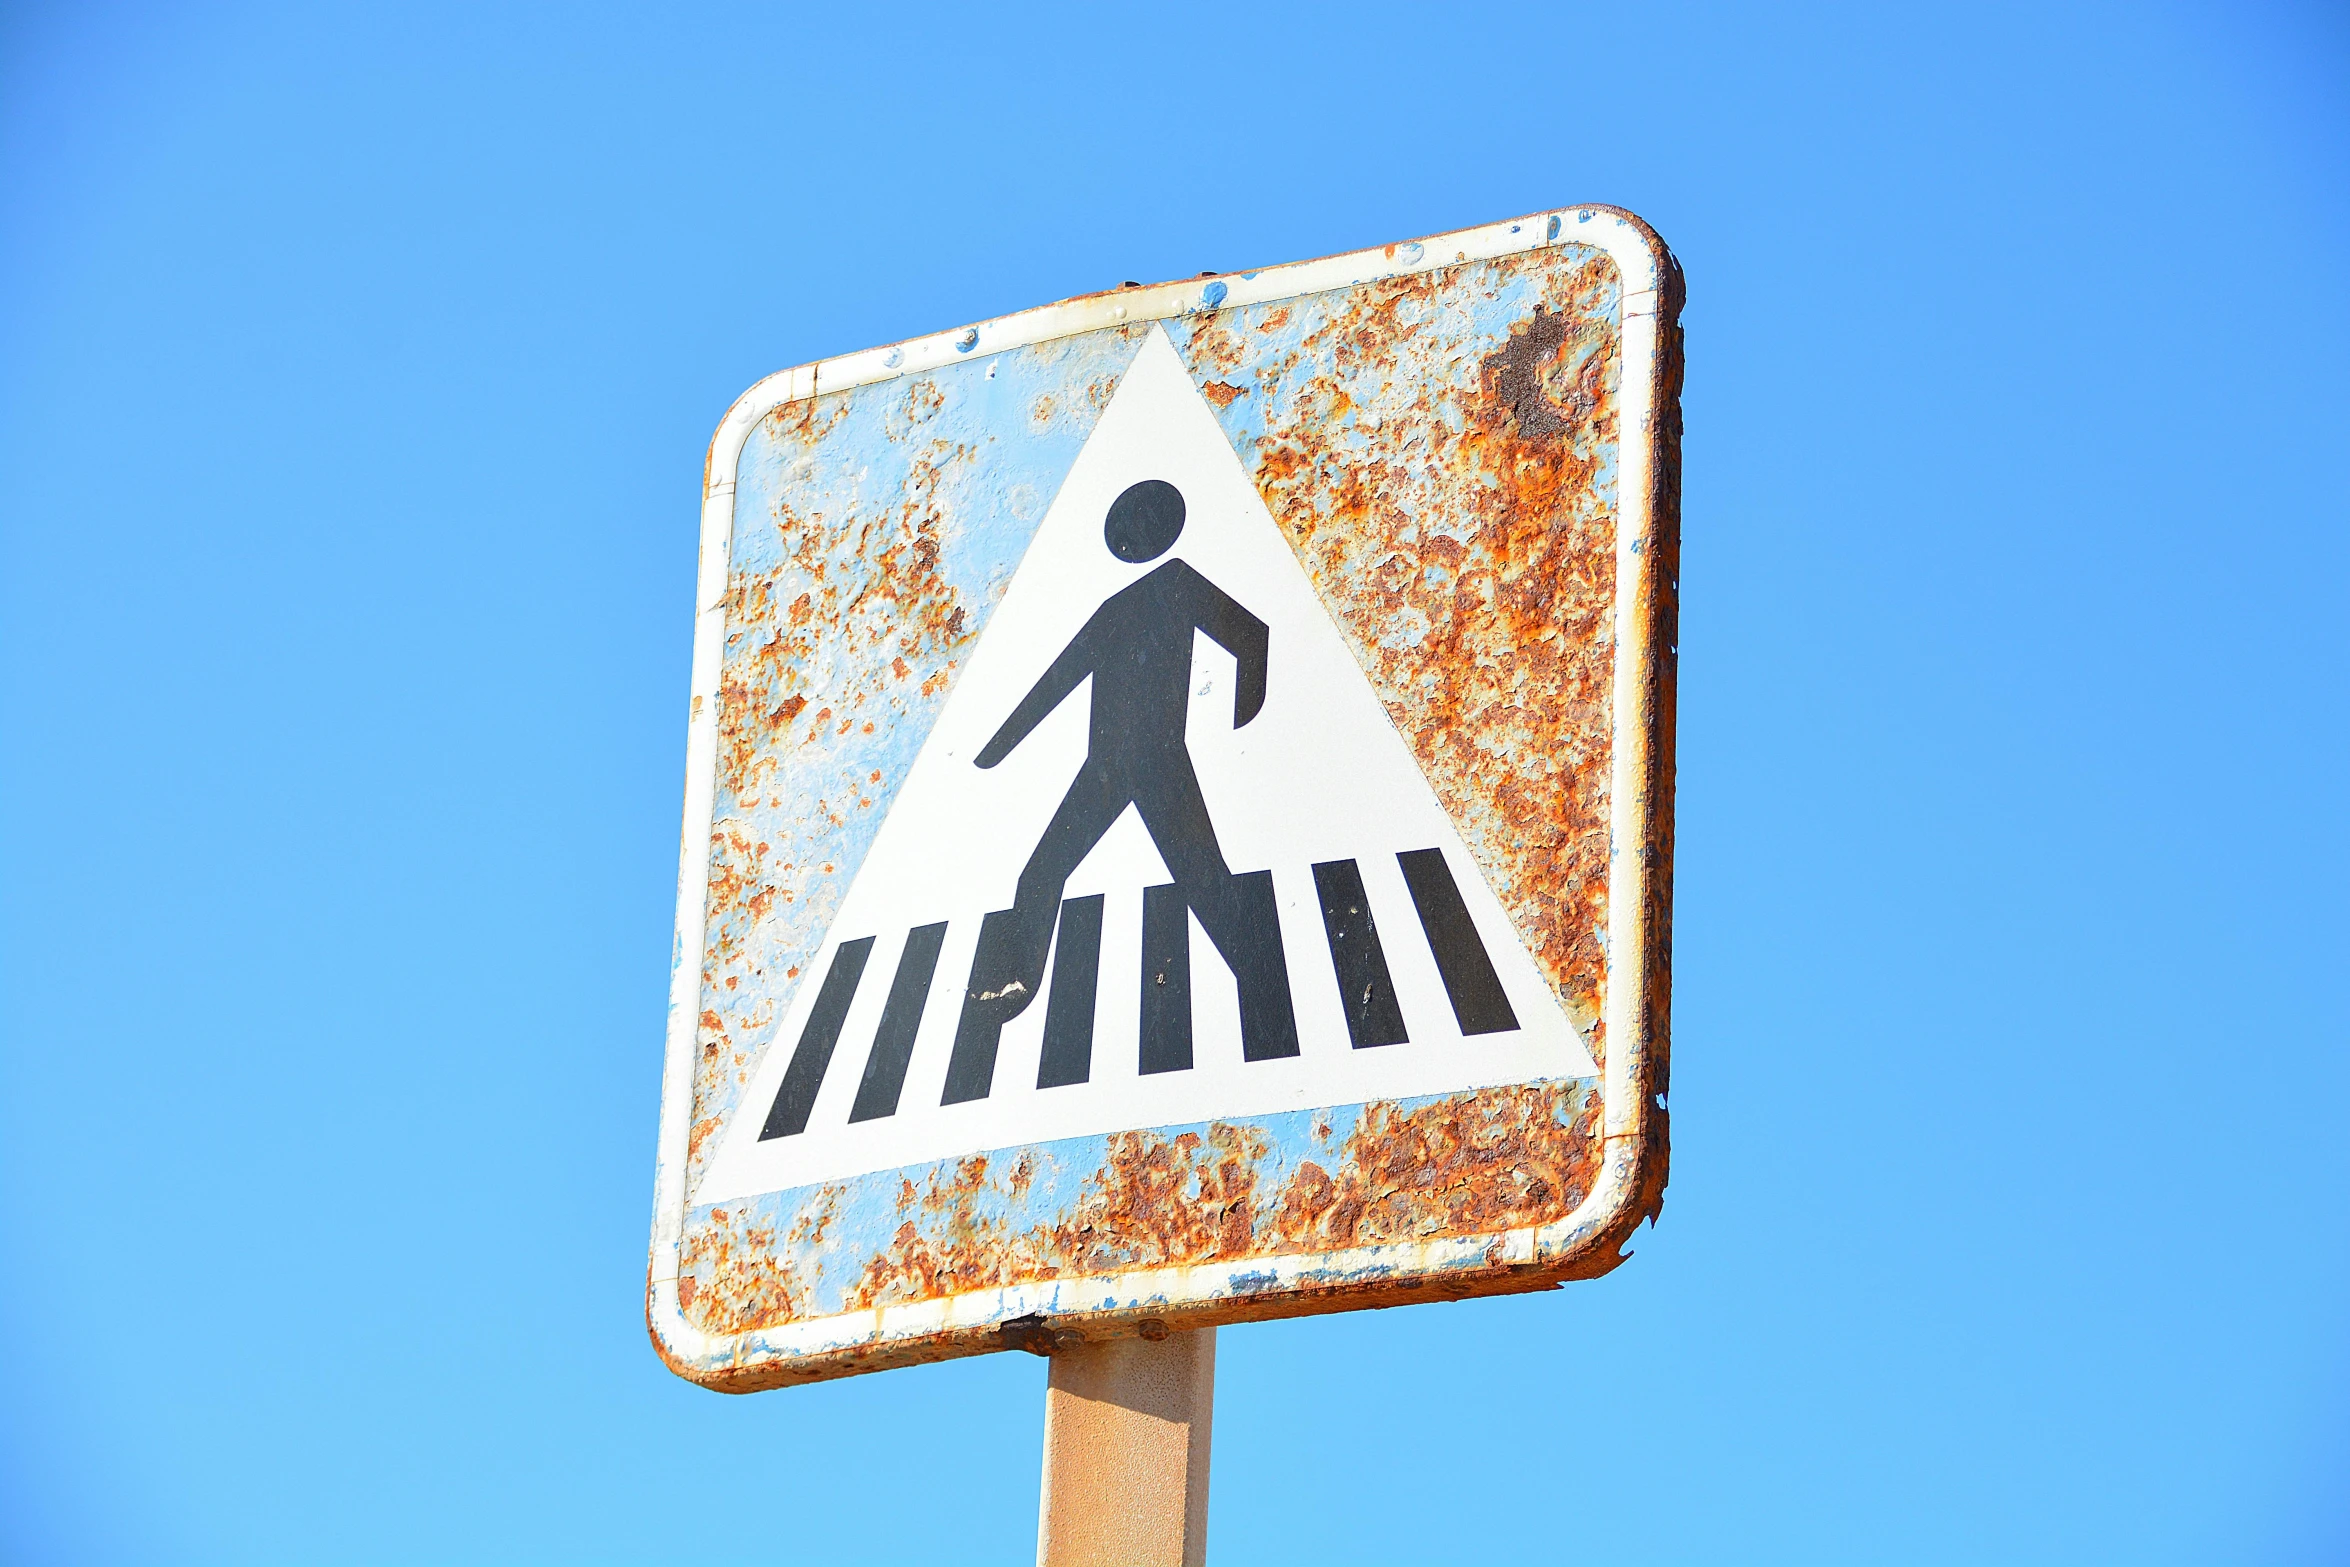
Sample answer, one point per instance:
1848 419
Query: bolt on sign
1178 819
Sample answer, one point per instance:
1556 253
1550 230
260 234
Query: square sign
1179 812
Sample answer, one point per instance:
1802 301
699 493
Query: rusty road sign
1179 812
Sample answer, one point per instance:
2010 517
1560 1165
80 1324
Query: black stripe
1268 1020
901 1020
1068 1011
1166 980
971 1069
789 1114
1372 1015
1469 980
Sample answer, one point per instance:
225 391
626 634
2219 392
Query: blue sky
356 365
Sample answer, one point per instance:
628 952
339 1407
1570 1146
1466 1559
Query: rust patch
1520 376
897 627
1156 1202
731 1277
901 607
1467 1164
873 529
733 1274
1458 519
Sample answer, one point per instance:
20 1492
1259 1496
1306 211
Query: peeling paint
1439 449
876 529
1321 1180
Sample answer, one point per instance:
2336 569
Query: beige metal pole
1126 1453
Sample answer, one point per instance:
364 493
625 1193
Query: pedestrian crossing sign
1179 812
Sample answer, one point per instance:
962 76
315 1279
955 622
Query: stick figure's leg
1237 912
1008 966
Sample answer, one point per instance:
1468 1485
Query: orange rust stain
700 1131
731 1277
1468 1164
895 620
903 606
735 1272
1458 1166
1223 393
1155 1203
1465 546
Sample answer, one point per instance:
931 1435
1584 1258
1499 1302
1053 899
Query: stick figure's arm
1051 689
1239 633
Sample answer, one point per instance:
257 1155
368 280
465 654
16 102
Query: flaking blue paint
976 450
845 1225
1482 301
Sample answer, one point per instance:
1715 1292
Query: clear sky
356 366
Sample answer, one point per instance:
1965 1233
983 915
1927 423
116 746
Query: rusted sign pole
1126 1430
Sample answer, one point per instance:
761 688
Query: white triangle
1320 774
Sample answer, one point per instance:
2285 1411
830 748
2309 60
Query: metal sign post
1178 832
1126 1431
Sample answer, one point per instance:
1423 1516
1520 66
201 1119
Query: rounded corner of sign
686 1350
734 426
1643 261
741 417
1590 1241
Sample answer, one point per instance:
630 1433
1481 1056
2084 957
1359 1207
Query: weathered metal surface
875 528
1315 1181
1440 449
1471 445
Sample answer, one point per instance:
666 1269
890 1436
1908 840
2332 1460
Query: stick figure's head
1144 521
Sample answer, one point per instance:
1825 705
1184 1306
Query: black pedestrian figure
1137 649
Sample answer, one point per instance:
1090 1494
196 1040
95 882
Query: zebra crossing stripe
980 1029
1373 1015
1469 980
1166 980
788 1116
1068 1012
901 1019
1268 1017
